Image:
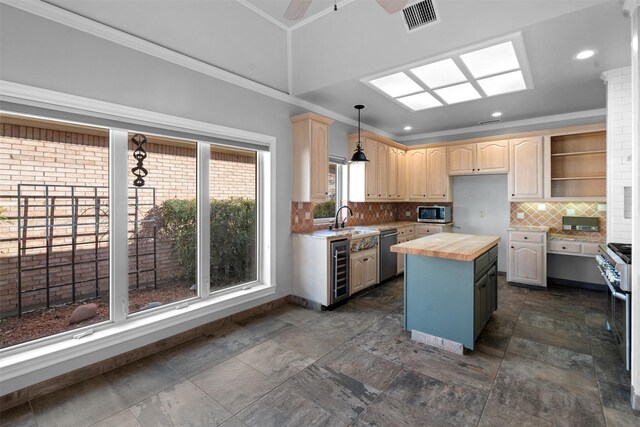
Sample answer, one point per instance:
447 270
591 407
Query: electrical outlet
542 207
407 214
520 215
602 207
307 215
297 219
299 205
571 212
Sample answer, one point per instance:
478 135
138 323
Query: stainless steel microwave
434 214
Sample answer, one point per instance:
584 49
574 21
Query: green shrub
233 238
325 210
3 217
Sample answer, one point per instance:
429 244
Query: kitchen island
450 287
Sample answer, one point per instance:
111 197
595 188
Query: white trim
113 35
630 6
263 14
20 370
289 63
319 15
203 220
600 112
118 225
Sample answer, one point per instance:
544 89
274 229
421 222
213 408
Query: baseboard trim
635 399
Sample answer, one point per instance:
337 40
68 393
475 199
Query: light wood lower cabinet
364 270
527 259
423 230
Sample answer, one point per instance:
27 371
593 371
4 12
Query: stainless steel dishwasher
388 259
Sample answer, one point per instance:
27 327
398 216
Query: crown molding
263 14
505 125
319 15
630 6
72 20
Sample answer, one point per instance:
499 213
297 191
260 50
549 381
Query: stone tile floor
544 359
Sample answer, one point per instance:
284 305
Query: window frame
44 358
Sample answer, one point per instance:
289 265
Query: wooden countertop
460 247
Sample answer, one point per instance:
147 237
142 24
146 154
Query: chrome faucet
335 224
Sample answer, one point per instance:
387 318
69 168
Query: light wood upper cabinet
480 158
371 175
393 173
402 175
492 157
462 159
416 174
437 177
310 156
383 171
526 181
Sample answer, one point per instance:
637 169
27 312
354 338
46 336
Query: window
54 228
325 212
162 223
79 231
233 217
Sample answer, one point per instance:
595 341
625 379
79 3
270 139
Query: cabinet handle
472 170
326 192
564 247
444 195
478 169
365 259
525 237
511 247
512 195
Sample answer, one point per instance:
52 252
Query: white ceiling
323 60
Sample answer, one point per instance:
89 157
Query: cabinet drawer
409 231
526 237
565 246
590 248
427 230
481 262
493 253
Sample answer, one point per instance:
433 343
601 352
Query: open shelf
579 165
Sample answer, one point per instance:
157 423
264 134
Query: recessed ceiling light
408 127
420 101
458 93
491 60
503 83
496 114
438 74
585 54
397 84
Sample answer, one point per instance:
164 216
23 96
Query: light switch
407 213
571 212
297 219
307 215
520 215
299 205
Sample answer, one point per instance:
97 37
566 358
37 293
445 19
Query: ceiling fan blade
392 6
297 9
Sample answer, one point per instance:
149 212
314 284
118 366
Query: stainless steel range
614 263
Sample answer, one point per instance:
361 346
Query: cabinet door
479 308
370 271
462 159
383 171
416 175
319 161
392 172
492 277
371 175
492 157
525 174
402 175
357 274
525 263
437 177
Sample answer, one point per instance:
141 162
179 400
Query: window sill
31 366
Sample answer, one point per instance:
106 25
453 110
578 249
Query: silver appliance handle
389 235
616 294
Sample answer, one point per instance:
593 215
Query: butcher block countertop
456 246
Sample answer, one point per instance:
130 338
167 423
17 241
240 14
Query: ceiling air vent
490 121
420 14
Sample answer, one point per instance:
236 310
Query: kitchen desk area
450 288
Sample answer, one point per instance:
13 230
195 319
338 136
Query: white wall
619 171
480 206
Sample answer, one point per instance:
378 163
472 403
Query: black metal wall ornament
139 154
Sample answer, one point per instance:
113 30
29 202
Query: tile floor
543 359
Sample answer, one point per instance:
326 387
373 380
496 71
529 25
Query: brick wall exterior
30 155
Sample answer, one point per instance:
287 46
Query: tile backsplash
364 213
551 216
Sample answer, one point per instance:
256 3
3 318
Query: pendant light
359 156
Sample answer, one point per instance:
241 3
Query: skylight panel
420 101
458 93
491 60
503 83
398 84
438 74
